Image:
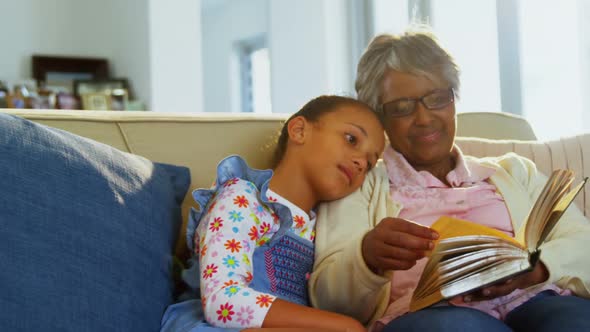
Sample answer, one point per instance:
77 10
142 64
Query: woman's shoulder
376 176
379 171
510 161
513 165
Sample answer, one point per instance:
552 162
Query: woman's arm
341 281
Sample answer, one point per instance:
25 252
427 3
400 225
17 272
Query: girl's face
344 145
424 137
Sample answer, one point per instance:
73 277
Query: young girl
254 236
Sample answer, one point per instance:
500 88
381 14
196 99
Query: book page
448 227
554 189
554 199
443 267
470 248
558 211
465 239
454 267
540 209
495 272
467 243
463 264
492 275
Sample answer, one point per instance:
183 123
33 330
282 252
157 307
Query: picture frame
59 72
100 85
96 101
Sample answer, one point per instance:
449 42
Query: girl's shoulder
235 182
238 184
235 167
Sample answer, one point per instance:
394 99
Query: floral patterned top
237 222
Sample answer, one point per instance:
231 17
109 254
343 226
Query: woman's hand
396 244
538 275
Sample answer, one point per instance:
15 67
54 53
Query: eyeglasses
434 100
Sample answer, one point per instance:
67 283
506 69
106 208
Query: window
526 57
552 66
255 78
470 39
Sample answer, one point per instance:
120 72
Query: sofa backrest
200 140
494 126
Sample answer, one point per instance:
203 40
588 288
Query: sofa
93 229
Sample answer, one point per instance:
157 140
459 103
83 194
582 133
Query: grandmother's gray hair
417 51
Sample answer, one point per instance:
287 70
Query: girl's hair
417 51
312 112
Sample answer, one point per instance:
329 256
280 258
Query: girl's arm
234 225
226 237
287 314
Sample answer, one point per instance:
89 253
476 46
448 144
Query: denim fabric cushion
86 232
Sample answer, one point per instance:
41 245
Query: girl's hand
396 244
538 275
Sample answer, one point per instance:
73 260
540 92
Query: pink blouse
425 198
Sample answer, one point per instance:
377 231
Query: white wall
175 63
108 28
310 52
584 39
155 45
158 47
340 70
226 23
129 44
473 41
309 44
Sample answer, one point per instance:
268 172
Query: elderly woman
370 246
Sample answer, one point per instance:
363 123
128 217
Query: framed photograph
96 101
102 85
58 73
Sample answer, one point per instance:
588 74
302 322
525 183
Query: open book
468 256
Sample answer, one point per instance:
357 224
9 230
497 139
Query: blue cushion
86 232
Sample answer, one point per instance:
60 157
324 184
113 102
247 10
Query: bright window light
260 81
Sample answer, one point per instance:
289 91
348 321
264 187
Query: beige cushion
567 152
494 125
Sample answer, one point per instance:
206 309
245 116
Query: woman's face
425 137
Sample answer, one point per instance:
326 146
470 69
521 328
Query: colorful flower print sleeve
236 222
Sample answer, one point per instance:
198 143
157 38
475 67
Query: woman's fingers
397 253
403 233
407 241
396 244
410 227
522 281
491 292
395 265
